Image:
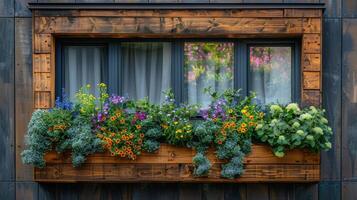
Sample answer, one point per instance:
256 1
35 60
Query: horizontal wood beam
175 6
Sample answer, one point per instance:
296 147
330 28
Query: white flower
296 125
275 109
305 116
293 107
324 120
328 145
313 110
300 132
258 127
310 137
318 130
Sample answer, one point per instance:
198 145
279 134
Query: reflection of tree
208 65
212 60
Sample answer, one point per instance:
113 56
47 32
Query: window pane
270 74
207 64
83 65
146 69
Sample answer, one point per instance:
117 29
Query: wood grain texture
311 25
333 8
42 62
42 43
349 8
169 26
164 13
23 91
311 43
7 8
302 13
311 97
330 190
174 164
311 62
7 109
42 81
21 9
27 190
331 87
311 80
42 100
7 190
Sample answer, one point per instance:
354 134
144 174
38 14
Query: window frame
240 59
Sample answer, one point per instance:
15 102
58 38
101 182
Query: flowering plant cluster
125 128
289 127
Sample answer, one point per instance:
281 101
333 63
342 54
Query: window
146 68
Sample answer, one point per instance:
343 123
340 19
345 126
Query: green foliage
289 127
125 128
82 140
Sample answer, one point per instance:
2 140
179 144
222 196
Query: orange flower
113 118
251 124
138 127
251 117
131 136
122 121
142 135
219 142
117 141
123 137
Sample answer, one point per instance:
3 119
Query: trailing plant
289 127
236 118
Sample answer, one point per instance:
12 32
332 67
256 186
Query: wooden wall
339 166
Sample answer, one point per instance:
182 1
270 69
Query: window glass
146 68
270 73
83 65
207 65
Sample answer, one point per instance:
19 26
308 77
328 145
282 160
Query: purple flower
204 113
117 99
140 115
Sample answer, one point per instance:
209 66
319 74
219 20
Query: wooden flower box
174 164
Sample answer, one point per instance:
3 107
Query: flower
294 107
313 110
318 130
258 127
296 125
328 145
140 115
324 120
117 99
300 132
275 109
310 137
305 116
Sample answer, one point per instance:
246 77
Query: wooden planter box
174 164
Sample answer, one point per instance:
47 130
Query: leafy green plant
289 127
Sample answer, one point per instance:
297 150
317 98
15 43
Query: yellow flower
244 111
230 111
175 122
243 125
178 131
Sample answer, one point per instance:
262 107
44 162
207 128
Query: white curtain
271 78
146 69
82 65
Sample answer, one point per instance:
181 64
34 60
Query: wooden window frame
279 23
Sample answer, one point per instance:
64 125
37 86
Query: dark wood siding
339 166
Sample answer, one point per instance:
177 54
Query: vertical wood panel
190 191
330 190
7 190
257 191
349 99
23 90
7 163
281 191
331 87
47 191
349 190
235 192
213 192
157 191
21 9
6 8
306 192
26 191
333 8
349 8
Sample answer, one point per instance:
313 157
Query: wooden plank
331 86
261 154
349 100
306 191
42 43
311 62
311 25
330 190
42 62
257 191
159 191
235 191
21 9
170 26
165 13
311 80
311 43
190 191
42 81
311 97
27 190
175 164
281 191
302 12
349 9
23 91
333 8
349 190
7 190
173 173
7 109
7 8
42 100
212 191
